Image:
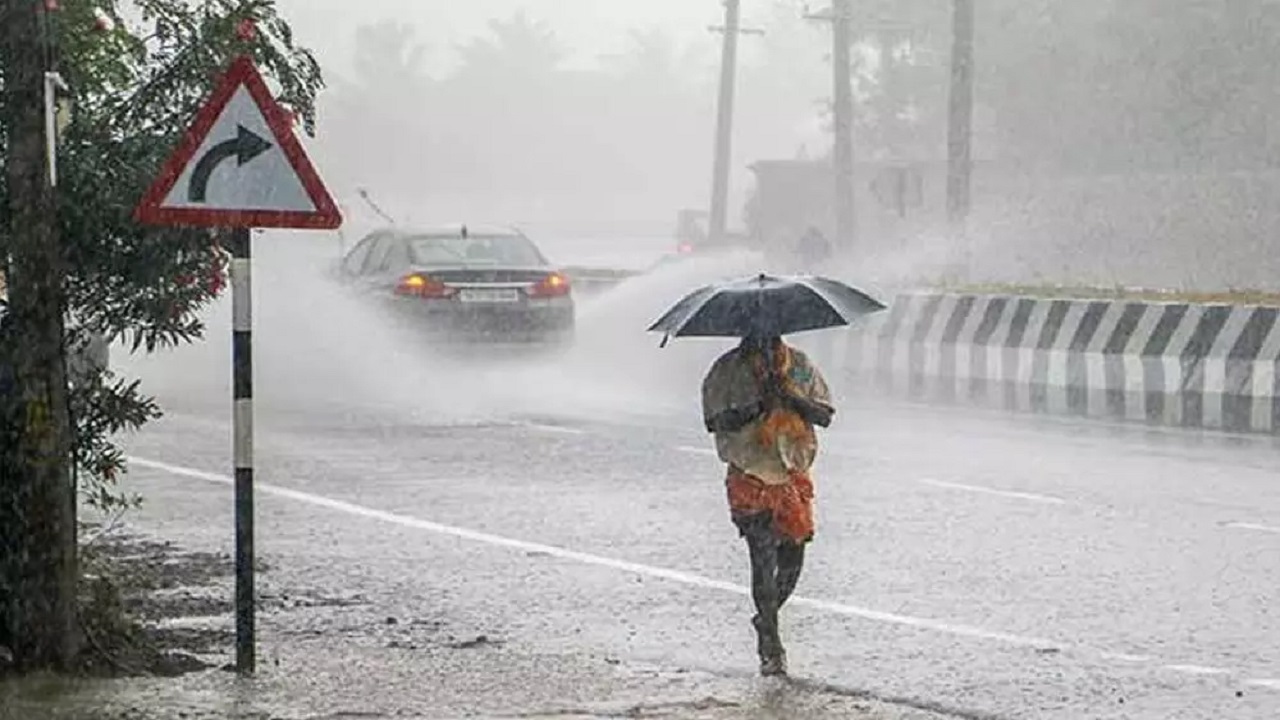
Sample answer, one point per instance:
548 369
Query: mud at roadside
153 609
153 612
148 609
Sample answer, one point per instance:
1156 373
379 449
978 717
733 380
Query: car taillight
424 286
685 248
553 285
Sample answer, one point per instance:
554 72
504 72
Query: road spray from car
321 350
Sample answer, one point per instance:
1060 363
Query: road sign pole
240 166
242 444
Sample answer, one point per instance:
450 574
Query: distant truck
693 234
691 231
792 196
788 198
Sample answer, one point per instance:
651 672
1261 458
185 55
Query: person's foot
773 658
774 665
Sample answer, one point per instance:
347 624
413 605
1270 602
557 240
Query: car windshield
515 250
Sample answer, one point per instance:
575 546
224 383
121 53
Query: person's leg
764 577
763 547
790 564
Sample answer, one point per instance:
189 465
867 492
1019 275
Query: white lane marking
698 451
992 491
1197 669
1268 684
558 429
599 561
1253 526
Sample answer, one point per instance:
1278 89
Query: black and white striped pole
239 167
242 443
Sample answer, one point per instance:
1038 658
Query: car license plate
489 295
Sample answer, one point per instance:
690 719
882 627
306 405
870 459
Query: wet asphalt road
571 511
976 564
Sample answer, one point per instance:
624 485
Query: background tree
387 98
654 113
135 89
655 60
1132 85
518 47
389 57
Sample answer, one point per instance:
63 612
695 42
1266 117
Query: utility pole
731 29
724 122
842 46
841 18
38 575
960 121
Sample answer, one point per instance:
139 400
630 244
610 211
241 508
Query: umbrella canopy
766 306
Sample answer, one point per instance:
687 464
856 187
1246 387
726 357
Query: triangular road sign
240 165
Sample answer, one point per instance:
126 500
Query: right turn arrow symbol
245 146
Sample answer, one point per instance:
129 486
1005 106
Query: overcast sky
588 27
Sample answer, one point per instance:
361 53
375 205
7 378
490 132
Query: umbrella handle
770 371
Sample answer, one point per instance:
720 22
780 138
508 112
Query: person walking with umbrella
762 401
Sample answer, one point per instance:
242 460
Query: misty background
1117 142
1144 130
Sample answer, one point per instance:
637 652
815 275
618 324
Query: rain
533 466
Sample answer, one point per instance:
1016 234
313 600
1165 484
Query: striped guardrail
1183 364
1200 365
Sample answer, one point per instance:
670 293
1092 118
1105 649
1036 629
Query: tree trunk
37 501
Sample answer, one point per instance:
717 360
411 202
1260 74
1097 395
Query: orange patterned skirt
791 505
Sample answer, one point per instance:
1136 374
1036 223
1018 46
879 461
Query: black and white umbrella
765 306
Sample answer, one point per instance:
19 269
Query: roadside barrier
1196 365
1188 365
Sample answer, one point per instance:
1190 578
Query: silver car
464 283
